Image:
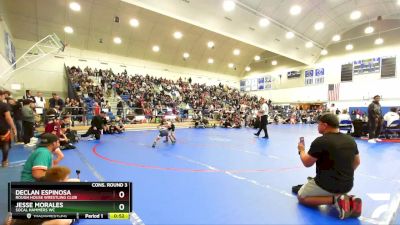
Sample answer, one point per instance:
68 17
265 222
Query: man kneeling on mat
336 157
97 126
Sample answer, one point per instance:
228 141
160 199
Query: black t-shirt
97 122
4 127
335 153
17 111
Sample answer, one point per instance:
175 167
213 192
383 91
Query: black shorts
163 133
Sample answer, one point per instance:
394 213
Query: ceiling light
349 47
134 22
247 68
309 44
156 48
336 37
230 65
186 55
295 10
355 15
398 2
210 61
178 35
210 44
263 22
236 52
379 41
75 6
324 52
274 63
117 40
229 5
289 35
68 30
257 57
319 26
369 30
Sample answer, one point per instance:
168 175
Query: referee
263 112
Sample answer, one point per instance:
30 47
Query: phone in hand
302 140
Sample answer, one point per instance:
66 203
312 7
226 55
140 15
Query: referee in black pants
263 112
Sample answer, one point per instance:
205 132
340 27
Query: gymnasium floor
227 176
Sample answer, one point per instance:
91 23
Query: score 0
121 194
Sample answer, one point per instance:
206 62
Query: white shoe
371 141
377 139
91 139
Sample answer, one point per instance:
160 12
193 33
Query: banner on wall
309 77
256 84
268 82
316 76
261 83
10 49
319 76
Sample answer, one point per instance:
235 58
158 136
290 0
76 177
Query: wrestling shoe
296 189
342 203
355 206
4 164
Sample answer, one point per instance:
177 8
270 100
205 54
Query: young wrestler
171 134
163 132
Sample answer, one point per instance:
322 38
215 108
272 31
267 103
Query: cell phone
302 140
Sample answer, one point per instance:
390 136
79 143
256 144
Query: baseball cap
47 139
330 119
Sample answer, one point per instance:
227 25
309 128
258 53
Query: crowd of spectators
154 96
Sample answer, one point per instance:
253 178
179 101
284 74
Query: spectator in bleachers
56 102
107 106
391 116
96 109
120 108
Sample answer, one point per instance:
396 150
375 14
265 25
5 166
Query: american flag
333 92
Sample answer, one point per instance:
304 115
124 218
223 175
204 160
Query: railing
130 115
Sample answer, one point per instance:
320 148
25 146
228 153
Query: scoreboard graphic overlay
70 200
